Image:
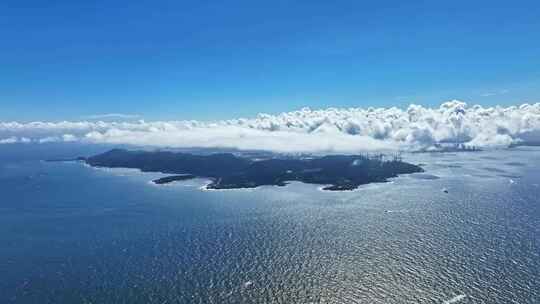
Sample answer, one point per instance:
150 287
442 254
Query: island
231 171
173 178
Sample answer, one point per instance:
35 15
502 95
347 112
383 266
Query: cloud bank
330 130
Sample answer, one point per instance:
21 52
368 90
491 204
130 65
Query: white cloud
49 139
69 137
112 116
495 93
14 140
9 140
330 130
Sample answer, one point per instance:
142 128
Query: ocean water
74 234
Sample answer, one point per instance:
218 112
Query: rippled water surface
73 234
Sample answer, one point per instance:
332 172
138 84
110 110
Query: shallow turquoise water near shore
73 234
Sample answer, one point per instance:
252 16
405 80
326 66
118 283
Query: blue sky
215 60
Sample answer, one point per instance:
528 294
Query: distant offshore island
229 171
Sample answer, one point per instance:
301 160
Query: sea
467 230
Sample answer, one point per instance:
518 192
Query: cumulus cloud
305 130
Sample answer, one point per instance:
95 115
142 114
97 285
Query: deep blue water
74 234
